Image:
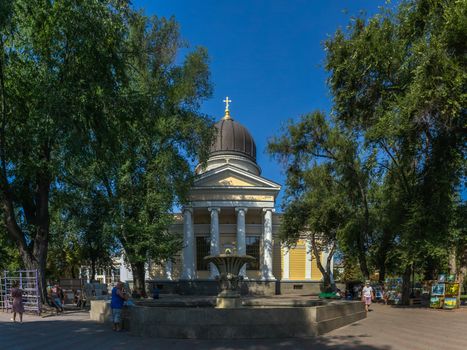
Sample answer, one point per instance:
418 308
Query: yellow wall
297 256
297 263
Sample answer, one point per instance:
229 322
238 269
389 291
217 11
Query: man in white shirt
367 295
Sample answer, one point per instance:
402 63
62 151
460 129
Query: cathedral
231 206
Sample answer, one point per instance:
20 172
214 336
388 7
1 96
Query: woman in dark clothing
18 307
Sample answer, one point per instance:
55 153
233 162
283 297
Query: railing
28 283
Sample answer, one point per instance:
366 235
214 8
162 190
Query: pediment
229 176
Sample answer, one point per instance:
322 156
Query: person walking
56 300
18 307
367 295
116 304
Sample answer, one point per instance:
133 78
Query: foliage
328 185
399 80
398 85
97 124
79 234
9 256
60 63
144 170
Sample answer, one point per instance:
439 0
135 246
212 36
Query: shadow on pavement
69 333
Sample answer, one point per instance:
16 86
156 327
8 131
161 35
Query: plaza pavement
385 328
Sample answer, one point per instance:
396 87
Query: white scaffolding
28 283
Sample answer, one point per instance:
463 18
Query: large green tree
328 186
398 79
60 65
147 168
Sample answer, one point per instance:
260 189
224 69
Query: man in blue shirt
116 304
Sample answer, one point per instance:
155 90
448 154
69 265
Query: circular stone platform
258 318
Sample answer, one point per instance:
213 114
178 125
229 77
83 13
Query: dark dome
233 138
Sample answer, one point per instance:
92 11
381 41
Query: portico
236 242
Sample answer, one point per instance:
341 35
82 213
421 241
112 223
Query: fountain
228 318
229 266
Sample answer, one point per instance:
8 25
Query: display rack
445 292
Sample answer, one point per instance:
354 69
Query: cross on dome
227 112
227 101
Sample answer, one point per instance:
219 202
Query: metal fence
28 283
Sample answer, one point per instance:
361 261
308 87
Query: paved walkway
386 328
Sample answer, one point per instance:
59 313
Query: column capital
241 208
214 209
265 210
190 209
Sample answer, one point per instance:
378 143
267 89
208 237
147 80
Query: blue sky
267 56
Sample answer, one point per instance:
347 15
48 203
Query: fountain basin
260 320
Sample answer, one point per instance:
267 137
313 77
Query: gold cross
227 101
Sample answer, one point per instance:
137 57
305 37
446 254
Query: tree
147 171
328 181
60 64
80 233
398 81
64 252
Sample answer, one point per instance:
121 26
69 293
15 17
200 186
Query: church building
231 206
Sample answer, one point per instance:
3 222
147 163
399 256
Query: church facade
231 206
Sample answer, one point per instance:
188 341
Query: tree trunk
363 264
139 278
32 263
365 234
92 278
383 250
453 261
34 251
406 285
429 273
325 270
382 273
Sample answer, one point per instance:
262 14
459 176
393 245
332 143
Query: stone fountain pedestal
228 301
229 267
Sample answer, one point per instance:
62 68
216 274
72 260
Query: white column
168 269
267 245
241 240
188 268
286 257
309 257
214 238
